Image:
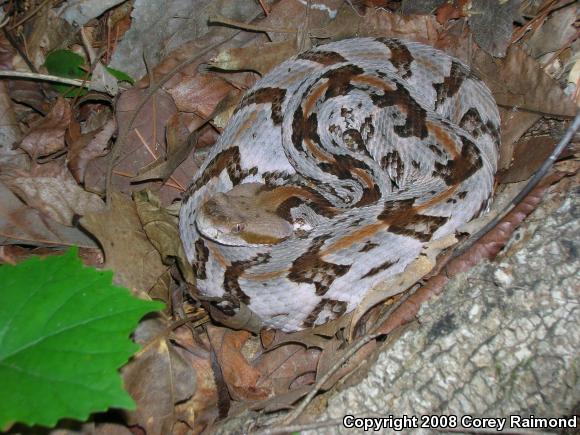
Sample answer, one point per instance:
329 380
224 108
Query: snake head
239 218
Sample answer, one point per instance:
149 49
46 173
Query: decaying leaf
244 382
538 92
179 145
157 378
128 251
47 136
162 230
492 23
51 189
10 134
87 147
20 224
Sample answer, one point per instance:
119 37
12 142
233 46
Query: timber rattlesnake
335 170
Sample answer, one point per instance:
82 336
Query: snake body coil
335 170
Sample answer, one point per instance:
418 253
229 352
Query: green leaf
65 63
64 332
68 64
120 75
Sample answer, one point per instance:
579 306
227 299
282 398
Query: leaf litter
57 151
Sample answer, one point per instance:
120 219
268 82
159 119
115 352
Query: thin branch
247 26
44 77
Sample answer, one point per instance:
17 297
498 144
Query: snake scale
336 169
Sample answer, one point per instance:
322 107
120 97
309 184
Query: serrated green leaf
64 332
120 75
68 64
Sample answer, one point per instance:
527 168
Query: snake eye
238 228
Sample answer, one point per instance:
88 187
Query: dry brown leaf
288 367
492 24
519 81
20 224
314 337
244 382
87 147
244 318
47 136
330 356
379 22
529 155
162 230
199 93
128 251
51 189
158 377
179 146
144 144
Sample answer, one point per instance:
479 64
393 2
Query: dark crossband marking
223 160
312 269
451 84
274 96
368 246
401 57
234 271
380 268
462 167
415 115
322 57
337 309
201 257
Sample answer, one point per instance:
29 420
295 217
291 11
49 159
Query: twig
264 8
246 26
44 77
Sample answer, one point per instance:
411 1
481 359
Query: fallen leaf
179 145
244 382
288 367
23 225
162 230
47 136
492 23
199 93
157 378
54 192
88 147
128 251
519 81
529 155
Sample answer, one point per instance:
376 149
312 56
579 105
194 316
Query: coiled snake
335 170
